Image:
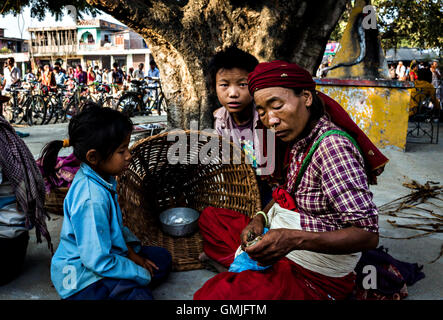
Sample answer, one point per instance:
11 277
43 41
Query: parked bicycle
25 106
143 98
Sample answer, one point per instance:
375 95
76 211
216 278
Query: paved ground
420 162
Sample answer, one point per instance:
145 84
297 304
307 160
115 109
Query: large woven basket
153 184
54 200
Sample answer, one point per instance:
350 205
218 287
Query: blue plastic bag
243 262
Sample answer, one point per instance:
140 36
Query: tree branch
140 15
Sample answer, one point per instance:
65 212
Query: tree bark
184 35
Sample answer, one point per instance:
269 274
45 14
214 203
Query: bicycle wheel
58 109
70 110
162 106
36 112
51 109
130 104
20 108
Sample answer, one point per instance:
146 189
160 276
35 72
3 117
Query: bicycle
142 98
54 104
24 107
159 102
74 101
104 96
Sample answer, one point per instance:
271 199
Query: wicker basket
152 184
54 200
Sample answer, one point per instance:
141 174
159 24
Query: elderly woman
322 215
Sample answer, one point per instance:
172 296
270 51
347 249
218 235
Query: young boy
237 119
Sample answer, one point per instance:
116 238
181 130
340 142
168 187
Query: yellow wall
381 112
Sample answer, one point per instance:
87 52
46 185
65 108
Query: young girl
99 258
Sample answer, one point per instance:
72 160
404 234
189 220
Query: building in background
89 43
16 48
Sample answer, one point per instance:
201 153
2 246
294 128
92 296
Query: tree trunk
184 35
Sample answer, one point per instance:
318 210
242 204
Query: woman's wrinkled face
283 111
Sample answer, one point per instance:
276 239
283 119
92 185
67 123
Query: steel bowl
180 221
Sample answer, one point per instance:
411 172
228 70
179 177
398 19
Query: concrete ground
421 162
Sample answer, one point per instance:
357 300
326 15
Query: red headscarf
290 75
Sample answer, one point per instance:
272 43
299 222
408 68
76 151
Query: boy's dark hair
102 129
230 58
115 64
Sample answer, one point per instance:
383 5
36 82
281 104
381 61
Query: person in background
139 74
437 79
98 74
423 89
48 78
392 72
60 77
29 76
400 71
117 77
80 75
12 75
40 72
59 65
153 73
413 72
90 76
71 73
129 74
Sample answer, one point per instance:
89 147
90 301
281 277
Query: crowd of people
427 80
398 71
51 76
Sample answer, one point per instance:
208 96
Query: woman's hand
275 244
252 230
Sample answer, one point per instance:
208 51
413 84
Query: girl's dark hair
230 58
102 129
317 108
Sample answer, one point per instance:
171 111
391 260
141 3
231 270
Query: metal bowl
180 221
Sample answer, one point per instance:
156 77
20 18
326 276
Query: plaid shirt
334 191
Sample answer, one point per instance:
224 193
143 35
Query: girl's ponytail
48 158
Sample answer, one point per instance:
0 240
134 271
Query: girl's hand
142 262
149 265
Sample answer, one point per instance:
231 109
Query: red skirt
285 280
